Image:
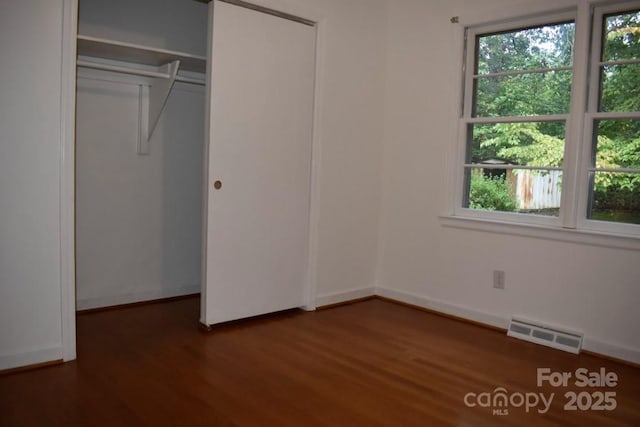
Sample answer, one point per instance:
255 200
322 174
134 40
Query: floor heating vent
545 335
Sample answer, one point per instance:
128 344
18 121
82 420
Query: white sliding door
260 133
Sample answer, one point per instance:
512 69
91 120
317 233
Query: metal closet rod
146 73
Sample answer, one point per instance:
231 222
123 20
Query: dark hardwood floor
366 364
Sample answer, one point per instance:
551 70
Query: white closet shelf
128 52
153 97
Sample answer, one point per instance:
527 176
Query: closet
139 144
194 131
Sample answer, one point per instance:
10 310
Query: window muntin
515 138
591 161
512 67
620 36
517 94
614 175
620 88
547 46
614 163
533 191
521 143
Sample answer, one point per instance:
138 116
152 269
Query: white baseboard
10 361
444 307
132 297
589 343
612 350
46 355
344 296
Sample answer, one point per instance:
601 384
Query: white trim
132 297
468 313
591 344
573 146
613 115
615 6
444 307
515 119
18 360
592 113
205 169
458 149
470 34
614 170
579 127
523 71
344 296
504 12
316 162
469 68
292 7
67 185
612 350
611 227
582 185
507 217
582 236
518 21
511 167
620 62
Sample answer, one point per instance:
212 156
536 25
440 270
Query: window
551 130
613 117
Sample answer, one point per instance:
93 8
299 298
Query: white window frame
592 115
578 130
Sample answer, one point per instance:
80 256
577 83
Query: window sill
585 237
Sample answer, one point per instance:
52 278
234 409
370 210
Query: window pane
539 47
617 144
530 144
615 197
621 37
523 94
520 191
620 88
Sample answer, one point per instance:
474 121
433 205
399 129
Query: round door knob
217 185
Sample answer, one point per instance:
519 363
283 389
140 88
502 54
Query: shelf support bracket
143 120
159 93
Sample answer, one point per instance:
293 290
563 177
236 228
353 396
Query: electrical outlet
498 279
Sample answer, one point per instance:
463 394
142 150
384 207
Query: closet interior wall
138 216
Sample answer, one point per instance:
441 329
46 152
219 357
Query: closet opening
157 135
140 121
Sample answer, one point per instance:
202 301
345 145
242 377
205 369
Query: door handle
217 185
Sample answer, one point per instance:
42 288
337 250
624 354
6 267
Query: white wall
587 288
350 124
352 135
138 217
387 87
30 129
350 129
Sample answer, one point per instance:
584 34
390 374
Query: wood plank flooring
373 363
